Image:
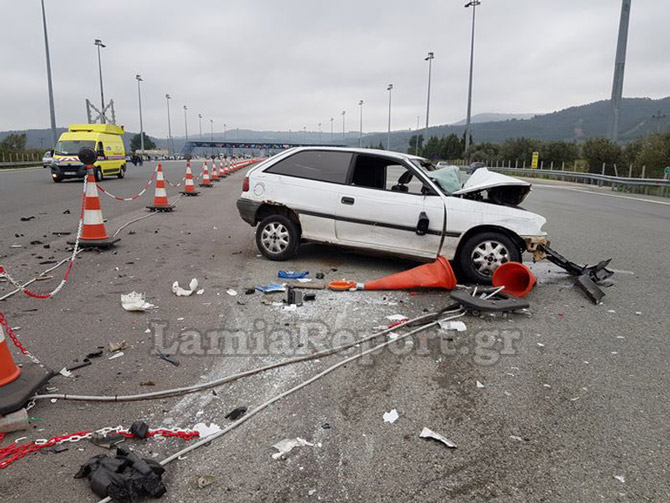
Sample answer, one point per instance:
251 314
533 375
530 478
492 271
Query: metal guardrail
625 184
20 163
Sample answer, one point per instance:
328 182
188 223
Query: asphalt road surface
572 402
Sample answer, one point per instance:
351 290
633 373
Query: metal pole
659 116
468 126
99 44
619 66
343 132
360 131
320 134
332 138
139 99
429 58
211 135
200 124
225 126
52 111
388 138
167 98
185 123
416 145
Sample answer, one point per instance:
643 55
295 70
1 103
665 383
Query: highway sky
265 64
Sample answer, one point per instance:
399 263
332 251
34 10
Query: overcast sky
279 65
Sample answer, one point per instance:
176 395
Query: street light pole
139 99
52 111
343 132
320 135
99 44
416 144
225 126
185 123
429 58
332 138
200 124
388 139
211 135
619 67
304 135
360 132
168 98
468 127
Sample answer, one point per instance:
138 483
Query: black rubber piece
98 243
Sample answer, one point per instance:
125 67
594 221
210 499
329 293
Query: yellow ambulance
105 139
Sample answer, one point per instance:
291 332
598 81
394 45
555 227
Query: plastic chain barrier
10 333
14 451
75 251
131 198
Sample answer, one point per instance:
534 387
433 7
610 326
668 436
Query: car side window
385 174
319 165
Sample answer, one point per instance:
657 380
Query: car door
382 206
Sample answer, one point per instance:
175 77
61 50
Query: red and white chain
12 335
14 451
75 251
131 198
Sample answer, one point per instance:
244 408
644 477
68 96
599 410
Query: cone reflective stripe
215 174
205 176
222 171
189 186
161 202
93 232
8 370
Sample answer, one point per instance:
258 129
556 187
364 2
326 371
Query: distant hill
571 124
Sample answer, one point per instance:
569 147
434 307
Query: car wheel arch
490 228
267 209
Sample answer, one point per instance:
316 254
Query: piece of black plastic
139 429
590 289
168 358
235 414
500 303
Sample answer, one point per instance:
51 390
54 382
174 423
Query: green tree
432 148
14 142
654 154
519 149
136 143
558 152
412 144
485 152
380 146
599 151
452 147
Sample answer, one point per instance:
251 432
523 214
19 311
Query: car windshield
447 178
71 147
424 164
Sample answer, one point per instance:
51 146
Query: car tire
277 237
483 253
99 176
57 178
122 172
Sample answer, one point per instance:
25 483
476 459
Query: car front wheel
483 253
277 237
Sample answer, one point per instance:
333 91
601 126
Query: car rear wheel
483 253
122 171
277 237
98 174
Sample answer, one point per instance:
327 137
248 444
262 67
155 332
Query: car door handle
348 200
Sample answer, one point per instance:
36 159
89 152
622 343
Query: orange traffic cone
206 182
438 274
517 279
222 172
215 172
93 232
17 385
189 186
161 202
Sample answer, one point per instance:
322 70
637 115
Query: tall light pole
139 99
619 66
344 112
99 44
468 127
304 135
416 145
185 123
200 124
211 135
332 138
360 131
52 111
168 98
320 134
388 139
429 58
225 127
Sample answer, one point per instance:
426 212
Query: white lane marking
602 194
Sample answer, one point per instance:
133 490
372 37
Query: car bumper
248 209
536 245
69 171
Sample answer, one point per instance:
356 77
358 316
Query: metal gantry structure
52 110
619 68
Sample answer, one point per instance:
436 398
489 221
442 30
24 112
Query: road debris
428 433
206 431
107 441
168 358
116 346
182 292
204 480
459 326
125 478
27 219
391 416
231 292
135 302
292 274
271 288
237 413
285 446
620 478
480 385
116 355
65 372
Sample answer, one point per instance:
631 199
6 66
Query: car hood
501 189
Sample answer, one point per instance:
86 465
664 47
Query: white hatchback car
390 203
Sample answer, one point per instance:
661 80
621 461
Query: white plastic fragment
292 307
135 301
479 385
231 292
118 354
459 326
428 433
65 372
182 292
201 291
620 478
516 437
391 416
206 431
286 445
397 317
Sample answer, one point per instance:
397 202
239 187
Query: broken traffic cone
161 202
517 279
189 186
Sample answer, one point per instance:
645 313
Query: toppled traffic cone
93 232
161 202
17 385
206 182
517 279
438 274
189 186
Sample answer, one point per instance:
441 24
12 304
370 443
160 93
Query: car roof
372 151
